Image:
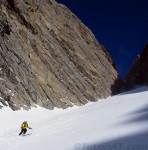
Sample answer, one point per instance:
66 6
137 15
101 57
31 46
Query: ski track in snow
119 119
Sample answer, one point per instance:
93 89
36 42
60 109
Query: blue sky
120 25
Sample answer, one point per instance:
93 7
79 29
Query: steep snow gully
116 123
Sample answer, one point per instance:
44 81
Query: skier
24 127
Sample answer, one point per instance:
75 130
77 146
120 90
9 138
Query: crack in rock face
48 57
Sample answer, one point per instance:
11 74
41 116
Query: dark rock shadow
118 86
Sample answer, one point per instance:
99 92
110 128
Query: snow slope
116 123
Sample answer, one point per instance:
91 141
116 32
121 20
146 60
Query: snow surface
116 123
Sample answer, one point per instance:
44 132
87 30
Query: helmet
25 122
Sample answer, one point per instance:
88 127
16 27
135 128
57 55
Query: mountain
50 58
138 73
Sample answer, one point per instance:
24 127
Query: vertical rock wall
48 57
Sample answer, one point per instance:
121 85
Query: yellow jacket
24 126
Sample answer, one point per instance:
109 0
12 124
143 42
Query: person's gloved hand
30 128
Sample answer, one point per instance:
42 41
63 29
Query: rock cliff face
48 57
138 73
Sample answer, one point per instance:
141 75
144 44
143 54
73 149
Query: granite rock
50 58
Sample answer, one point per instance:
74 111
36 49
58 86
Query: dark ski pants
23 131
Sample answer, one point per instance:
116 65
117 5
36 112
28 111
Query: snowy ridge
119 122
